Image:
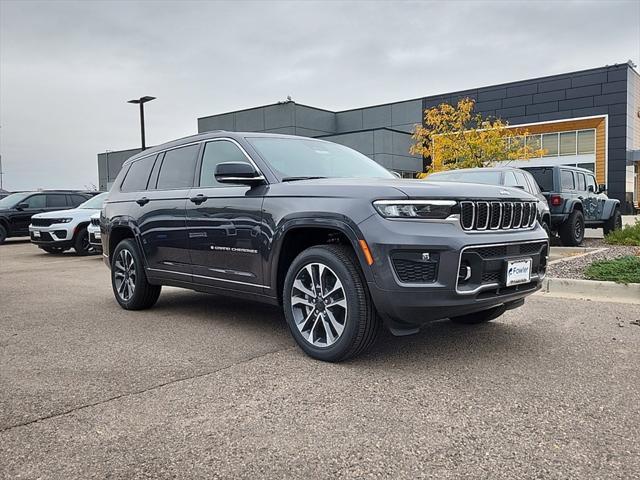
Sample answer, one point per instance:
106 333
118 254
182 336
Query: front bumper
417 265
58 235
95 236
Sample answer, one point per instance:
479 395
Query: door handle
198 199
142 201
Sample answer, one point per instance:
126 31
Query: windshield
544 177
94 203
488 177
301 157
13 199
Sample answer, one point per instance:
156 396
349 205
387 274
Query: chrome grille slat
481 215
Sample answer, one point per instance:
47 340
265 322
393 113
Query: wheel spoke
330 337
338 327
299 300
298 285
339 303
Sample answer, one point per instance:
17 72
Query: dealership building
589 118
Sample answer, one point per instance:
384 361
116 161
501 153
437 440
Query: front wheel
81 243
327 304
3 234
480 317
614 222
129 280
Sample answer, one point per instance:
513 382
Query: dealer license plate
36 234
518 271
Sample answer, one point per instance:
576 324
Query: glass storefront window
550 144
586 141
568 143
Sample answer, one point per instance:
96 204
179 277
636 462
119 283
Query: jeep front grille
481 215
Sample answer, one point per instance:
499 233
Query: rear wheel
480 317
3 234
572 231
129 280
327 304
614 222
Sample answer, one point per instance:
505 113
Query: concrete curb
591 289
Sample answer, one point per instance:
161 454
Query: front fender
609 206
338 222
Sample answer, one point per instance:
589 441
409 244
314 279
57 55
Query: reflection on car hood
76 213
399 188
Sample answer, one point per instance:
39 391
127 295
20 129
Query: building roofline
265 106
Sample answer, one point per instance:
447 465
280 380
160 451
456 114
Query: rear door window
56 201
178 168
566 180
138 175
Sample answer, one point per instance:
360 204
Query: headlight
427 209
62 220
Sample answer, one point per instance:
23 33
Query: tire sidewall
130 245
578 219
354 307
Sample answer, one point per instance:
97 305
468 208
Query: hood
398 188
75 213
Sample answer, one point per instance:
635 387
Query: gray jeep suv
322 230
576 202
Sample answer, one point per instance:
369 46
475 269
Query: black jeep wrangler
576 201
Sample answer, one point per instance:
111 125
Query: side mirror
238 173
591 188
602 188
22 206
395 174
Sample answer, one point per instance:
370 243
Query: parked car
576 202
503 176
322 230
93 229
55 232
17 209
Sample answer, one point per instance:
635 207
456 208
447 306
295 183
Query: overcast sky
67 68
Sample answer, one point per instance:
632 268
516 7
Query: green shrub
621 270
627 235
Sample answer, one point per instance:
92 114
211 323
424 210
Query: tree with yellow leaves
456 137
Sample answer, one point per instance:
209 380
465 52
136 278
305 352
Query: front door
224 224
21 219
590 200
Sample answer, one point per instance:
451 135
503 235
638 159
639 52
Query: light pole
141 101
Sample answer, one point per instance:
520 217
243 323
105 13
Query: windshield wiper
295 179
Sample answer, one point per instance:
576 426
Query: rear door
224 224
160 211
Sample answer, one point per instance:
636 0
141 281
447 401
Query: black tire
614 222
53 250
572 231
81 243
143 294
3 234
480 317
360 323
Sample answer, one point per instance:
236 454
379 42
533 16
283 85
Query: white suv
55 232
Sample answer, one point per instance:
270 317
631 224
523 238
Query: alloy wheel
125 274
319 305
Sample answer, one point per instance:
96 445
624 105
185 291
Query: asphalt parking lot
207 387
